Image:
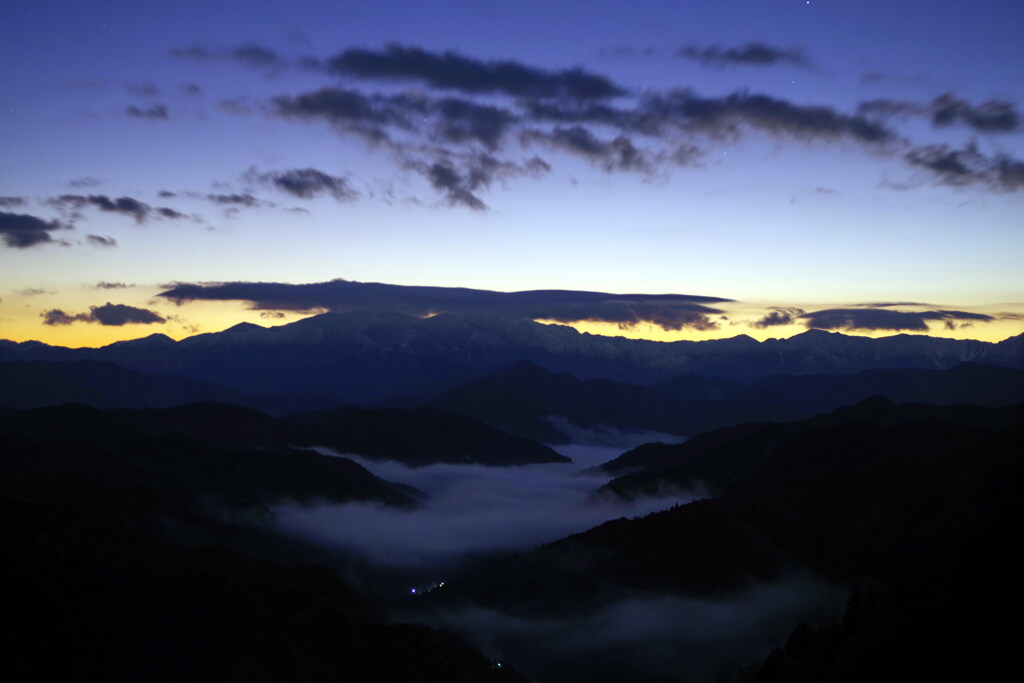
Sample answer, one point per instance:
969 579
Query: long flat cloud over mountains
668 311
887 319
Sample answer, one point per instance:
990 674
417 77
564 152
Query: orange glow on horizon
20 321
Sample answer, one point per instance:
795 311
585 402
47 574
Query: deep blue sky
800 155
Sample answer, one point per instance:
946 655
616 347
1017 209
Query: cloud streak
992 116
722 116
749 54
306 183
155 112
138 210
618 154
452 71
249 54
967 166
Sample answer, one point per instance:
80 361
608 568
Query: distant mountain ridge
371 356
523 398
102 384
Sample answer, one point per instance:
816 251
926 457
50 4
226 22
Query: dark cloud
156 112
235 199
968 166
165 212
33 291
56 316
166 194
349 110
669 311
442 138
779 316
306 183
21 231
722 115
191 89
84 181
12 201
452 71
886 319
426 133
993 116
886 107
633 120
74 204
143 89
459 178
1009 173
127 206
750 54
449 119
119 314
111 285
952 166
108 314
457 187
250 54
101 241
463 121
618 154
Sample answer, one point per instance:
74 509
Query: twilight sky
851 165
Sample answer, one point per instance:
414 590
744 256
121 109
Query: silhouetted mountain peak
814 337
242 328
156 339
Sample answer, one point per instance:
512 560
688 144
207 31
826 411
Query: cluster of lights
431 587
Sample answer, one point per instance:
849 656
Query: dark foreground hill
139 545
103 384
128 449
853 494
736 458
913 504
525 400
94 589
528 400
414 437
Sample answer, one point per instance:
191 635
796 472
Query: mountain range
372 356
523 399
